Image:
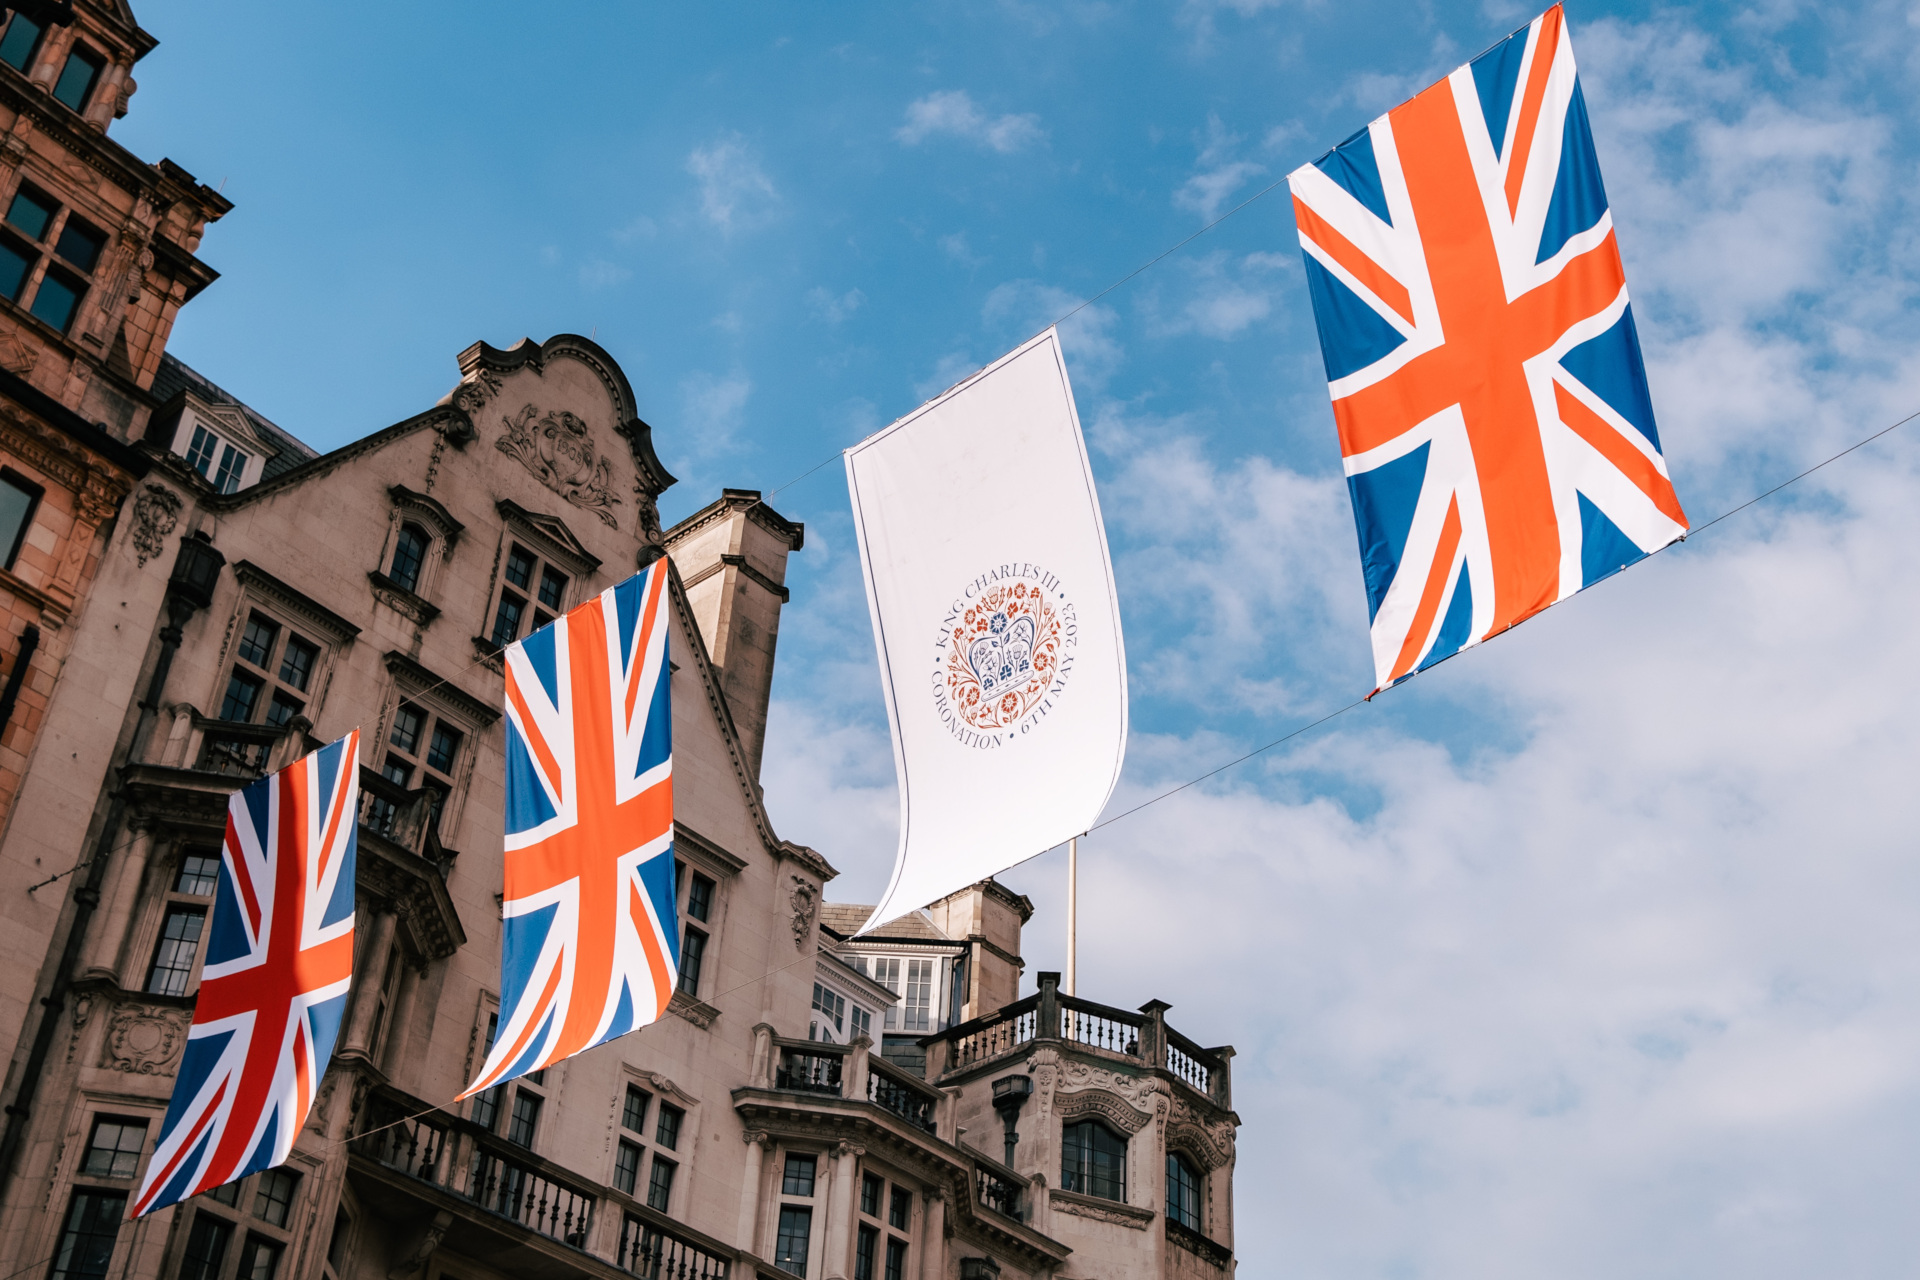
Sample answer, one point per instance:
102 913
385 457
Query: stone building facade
372 588
96 257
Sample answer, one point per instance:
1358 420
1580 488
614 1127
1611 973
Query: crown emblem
1003 658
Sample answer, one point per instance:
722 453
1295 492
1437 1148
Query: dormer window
21 42
78 77
206 449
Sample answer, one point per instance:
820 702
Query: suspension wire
1357 702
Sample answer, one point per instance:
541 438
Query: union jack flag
591 948
274 982
1486 377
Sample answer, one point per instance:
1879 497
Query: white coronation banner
996 621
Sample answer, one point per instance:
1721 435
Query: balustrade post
763 1063
854 1076
1048 1026
1222 1081
1153 1033
939 1058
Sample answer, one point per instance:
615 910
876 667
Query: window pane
227 1193
633 1113
506 622
919 995
693 953
16 507
114 1149
896 1259
179 944
526 1114
77 77
296 664
206 1247
282 709
198 874
14 266
397 771
553 586
1093 1161
80 244
443 748
243 691
660 1184
486 1107
57 299
232 461
797 1179
699 897
200 452
1183 1192
273 1198
260 1261
18 45
870 1188
790 1249
519 566
863 1253
86 1241
409 554
900 1210
626 1167
31 212
256 642
407 722
666 1131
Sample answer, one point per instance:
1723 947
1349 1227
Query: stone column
118 897
746 1235
840 1209
933 1233
368 983
400 1020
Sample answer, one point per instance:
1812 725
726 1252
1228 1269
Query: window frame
272 685
96 64
42 255
1082 1180
34 493
58 1268
1194 1178
550 544
26 65
534 613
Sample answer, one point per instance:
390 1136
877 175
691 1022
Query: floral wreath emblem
1004 655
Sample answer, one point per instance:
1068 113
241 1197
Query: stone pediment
559 541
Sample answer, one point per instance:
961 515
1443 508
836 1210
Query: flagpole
1073 907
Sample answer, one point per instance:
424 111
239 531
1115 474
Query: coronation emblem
1003 652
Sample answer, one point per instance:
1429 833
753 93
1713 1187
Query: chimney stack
732 558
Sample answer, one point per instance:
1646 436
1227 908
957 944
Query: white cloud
834 308
714 407
955 246
1218 175
598 273
735 192
952 112
1093 352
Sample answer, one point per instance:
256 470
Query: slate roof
842 918
175 376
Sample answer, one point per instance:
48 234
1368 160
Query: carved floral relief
558 449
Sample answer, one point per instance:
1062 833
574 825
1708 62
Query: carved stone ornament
1121 1215
145 1039
1106 1106
16 356
155 513
1141 1091
1211 1142
558 450
416 1259
473 394
804 899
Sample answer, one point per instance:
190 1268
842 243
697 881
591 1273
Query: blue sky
1587 954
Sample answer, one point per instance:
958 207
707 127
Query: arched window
1093 1160
1183 1192
409 554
